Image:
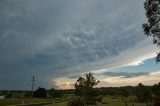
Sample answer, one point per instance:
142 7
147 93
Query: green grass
112 101
118 101
27 101
59 104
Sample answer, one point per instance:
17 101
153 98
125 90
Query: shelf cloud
52 39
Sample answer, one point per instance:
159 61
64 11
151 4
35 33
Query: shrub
40 93
98 98
157 101
76 101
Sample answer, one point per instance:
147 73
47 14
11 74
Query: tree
54 93
139 91
8 94
123 92
156 92
156 89
147 96
142 93
80 87
152 27
40 93
51 93
84 87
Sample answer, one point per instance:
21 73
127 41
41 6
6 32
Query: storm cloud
55 38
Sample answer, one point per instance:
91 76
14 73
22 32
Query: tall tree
85 87
80 86
152 27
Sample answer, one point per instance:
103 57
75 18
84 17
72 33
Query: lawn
118 101
15 101
112 101
59 104
106 101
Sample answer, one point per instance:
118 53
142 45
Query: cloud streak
125 74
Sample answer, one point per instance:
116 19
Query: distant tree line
140 91
39 93
143 93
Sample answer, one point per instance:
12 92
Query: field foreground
13 101
112 101
106 101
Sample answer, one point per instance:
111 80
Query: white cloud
131 57
141 60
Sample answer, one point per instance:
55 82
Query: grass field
112 101
106 101
118 101
59 104
27 101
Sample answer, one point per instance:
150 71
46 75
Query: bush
76 101
40 93
98 98
157 101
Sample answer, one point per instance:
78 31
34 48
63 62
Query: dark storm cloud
52 38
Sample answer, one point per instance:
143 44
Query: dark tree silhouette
152 27
85 87
40 93
142 93
139 92
156 89
123 92
156 92
80 87
54 93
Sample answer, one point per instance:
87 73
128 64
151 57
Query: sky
59 40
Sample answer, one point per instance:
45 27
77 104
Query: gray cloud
74 76
125 74
54 38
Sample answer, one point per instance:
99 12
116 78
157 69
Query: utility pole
33 80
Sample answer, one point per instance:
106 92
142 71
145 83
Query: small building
2 97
